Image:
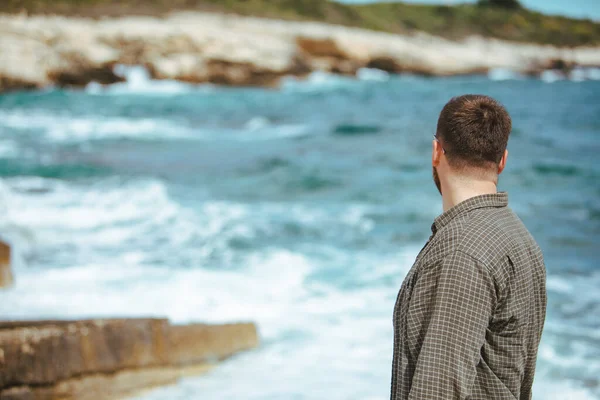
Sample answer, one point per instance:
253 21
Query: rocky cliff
109 359
225 49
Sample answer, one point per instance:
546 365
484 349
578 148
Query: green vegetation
504 19
510 4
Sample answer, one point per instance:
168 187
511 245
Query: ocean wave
372 74
325 81
316 82
261 128
578 74
551 76
91 222
585 74
97 248
138 82
68 225
69 128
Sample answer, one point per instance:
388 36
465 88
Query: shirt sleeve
460 308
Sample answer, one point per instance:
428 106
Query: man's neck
457 190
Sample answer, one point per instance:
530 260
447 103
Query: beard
436 180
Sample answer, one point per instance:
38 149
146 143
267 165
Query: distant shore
200 47
498 19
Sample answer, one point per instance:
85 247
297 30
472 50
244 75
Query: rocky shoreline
43 51
109 359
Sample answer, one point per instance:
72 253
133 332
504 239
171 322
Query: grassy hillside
449 21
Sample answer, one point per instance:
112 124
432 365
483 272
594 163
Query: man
470 313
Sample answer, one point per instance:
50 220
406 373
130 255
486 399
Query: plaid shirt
470 313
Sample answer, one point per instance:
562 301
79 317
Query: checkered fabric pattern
470 313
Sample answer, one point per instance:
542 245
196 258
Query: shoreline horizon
233 50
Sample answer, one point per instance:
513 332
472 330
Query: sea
300 208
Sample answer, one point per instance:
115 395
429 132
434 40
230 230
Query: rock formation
108 359
225 49
6 276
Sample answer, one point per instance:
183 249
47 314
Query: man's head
471 138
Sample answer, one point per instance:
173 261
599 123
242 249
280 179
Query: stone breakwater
109 359
41 51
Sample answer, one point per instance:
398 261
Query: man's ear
436 152
502 162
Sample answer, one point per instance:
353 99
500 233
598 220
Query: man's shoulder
487 235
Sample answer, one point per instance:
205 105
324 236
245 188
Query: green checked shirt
470 312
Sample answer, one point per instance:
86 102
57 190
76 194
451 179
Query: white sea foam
579 74
372 74
11 231
98 221
548 388
504 74
260 128
108 273
92 220
257 123
555 283
316 82
139 82
65 127
593 74
551 76
69 128
585 74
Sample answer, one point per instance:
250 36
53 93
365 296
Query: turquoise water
300 208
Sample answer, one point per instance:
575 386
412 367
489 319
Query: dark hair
474 131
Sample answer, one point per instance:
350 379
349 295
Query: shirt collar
483 201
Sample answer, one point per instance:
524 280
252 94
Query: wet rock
19 393
121 384
6 275
329 55
109 359
195 344
560 65
320 47
50 352
9 83
82 76
387 64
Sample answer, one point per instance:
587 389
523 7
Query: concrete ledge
45 354
109 359
192 344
